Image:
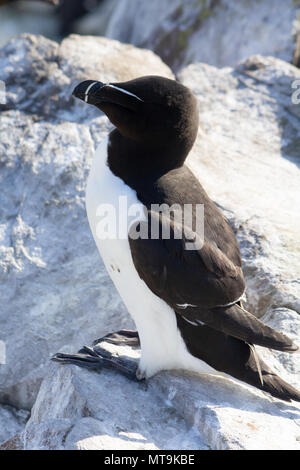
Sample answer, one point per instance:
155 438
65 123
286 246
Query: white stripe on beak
123 91
86 94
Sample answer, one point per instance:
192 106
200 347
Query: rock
84 415
217 32
296 57
80 409
14 443
12 422
249 142
287 366
30 16
54 289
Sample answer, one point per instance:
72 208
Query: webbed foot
97 357
122 337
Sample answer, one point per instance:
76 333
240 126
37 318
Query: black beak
100 94
87 89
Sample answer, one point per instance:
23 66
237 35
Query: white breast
161 342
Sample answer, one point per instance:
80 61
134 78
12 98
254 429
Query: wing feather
203 280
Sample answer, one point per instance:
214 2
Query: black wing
202 285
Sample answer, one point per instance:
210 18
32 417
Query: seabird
184 290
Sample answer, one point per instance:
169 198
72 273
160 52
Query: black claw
80 360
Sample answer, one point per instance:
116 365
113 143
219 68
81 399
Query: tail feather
235 357
237 322
256 369
257 363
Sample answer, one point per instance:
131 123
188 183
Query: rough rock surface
248 142
177 410
75 410
217 32
12 422
54 290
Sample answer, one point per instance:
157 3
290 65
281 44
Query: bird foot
98 358
122 337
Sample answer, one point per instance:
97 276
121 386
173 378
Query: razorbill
183 290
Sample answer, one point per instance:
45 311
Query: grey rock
249 141
55 291
12 422
81 409
285 365
217 32
13 443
